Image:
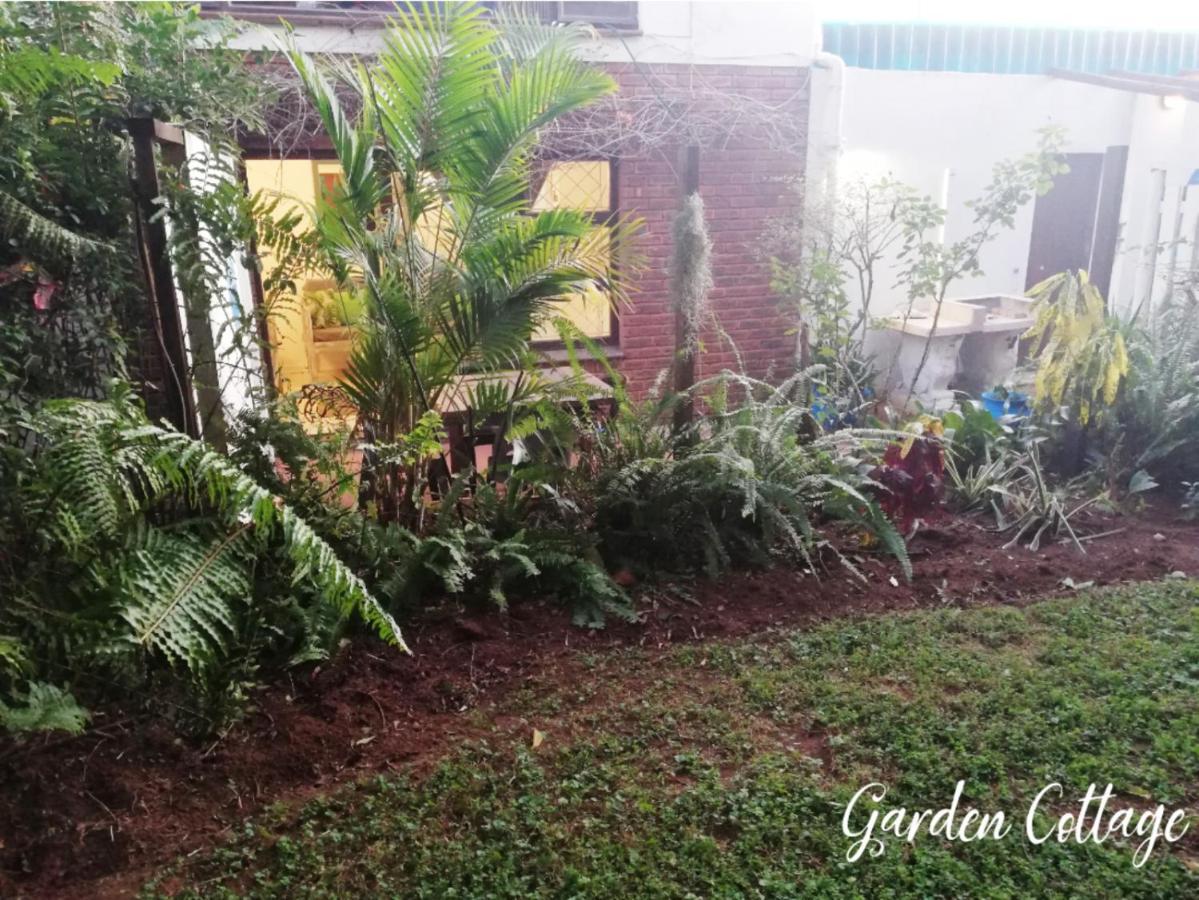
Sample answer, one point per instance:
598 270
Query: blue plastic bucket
1014 404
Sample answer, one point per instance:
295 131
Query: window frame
266 12
605 217
318 156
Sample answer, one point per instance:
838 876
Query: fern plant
145 546
748 482
501 541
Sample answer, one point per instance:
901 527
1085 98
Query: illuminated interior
584 185
311 339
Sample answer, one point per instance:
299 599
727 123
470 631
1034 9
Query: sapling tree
846 241
930 266
819 255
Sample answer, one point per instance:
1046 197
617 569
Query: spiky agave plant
433 223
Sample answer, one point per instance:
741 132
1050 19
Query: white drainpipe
824 122
825 105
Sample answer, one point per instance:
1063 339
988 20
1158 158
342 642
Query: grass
722 770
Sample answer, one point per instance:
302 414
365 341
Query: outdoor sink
1002 312
974 347
989 355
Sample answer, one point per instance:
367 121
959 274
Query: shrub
1080 351
500 541
746 483
138 550
912 475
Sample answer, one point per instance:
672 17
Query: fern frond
43 707
181 594
44 241
108 465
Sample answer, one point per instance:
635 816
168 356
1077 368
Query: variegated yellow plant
1080 351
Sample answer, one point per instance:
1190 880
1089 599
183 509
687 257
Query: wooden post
256 292
160 285
684 363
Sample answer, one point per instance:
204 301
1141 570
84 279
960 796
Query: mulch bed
95 815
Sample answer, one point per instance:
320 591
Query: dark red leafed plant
912 477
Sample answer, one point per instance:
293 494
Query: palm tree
433 224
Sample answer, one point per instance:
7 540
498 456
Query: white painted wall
1158 240
716 32
942 132
719 32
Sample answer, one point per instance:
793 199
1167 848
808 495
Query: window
329 179
308 343
615 14
584 185
610 13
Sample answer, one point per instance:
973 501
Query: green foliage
742 487
32 235
978 485
1119 394
929 265
143 546
458 272
1033 507
334 309
72 296
1156 421
749 480
831 258
130 555
1079 350
43 707
511 539
974 435
826 260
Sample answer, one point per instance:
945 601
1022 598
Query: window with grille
585 185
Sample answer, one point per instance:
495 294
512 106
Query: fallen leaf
538 737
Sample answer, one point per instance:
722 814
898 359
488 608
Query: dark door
1077 224
1063 221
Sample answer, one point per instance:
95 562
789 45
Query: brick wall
741 182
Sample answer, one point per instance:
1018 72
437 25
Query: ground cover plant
722 769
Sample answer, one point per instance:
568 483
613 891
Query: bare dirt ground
95 815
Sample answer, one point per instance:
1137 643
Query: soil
97 815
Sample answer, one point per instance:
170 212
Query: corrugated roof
975 48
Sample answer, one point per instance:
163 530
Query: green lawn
722 770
